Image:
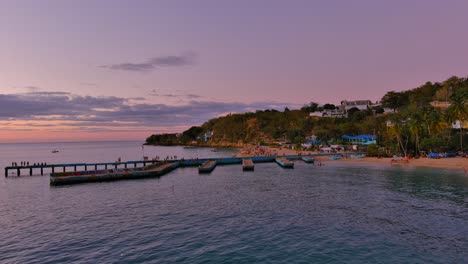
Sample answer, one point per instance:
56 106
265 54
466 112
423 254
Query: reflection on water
331 214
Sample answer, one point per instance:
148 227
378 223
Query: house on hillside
360 139
440 104
359 104
458 125
208 135
329 113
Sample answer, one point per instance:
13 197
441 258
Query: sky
122 70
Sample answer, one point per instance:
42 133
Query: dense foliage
413 124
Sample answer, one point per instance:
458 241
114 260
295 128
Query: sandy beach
457 163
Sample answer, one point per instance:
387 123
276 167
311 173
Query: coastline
456 163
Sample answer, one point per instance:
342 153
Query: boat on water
214 150
55 151
285 163
247 165
207 166
308 159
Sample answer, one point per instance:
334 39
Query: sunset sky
117 70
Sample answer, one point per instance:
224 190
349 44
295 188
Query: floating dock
285 163
207 166
308 159
247 165
154 170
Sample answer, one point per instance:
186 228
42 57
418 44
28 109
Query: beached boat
207 166
335 157
247 165
285 163
308 159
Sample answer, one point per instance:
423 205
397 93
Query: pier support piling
63 168
30 171
42 171
74 168
95 167
6 173
18 172
85 167
53 169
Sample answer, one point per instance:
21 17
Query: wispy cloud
174 95
87 84
154 63
91 112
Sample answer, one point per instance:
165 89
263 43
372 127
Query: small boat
308 159
54 151
335 157
285 163
207 166
214 150
357 156
247 165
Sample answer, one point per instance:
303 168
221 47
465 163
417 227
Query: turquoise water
332 214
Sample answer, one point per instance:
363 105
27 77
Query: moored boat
285 163
207 166
308 159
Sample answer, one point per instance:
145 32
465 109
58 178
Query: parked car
433 155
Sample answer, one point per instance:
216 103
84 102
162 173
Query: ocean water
338 213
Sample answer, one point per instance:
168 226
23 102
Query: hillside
412 125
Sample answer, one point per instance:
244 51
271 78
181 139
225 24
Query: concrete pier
138 164
74 166
247 165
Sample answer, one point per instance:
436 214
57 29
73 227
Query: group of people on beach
26 163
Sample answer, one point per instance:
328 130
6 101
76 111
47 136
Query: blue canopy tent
314 141
360 139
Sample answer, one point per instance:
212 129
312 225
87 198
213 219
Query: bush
373 150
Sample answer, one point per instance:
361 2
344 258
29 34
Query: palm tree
458 111
415 125
433 120
398 131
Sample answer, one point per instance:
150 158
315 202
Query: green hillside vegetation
414 126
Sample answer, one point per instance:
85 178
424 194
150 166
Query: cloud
87 84
61 109
179 96
32 88
153 63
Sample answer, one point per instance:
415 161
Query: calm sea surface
339 213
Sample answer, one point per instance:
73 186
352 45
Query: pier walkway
91 166
107 171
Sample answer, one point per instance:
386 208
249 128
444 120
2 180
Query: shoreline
456 163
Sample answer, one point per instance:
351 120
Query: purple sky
227 55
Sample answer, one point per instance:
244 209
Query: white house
359 104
